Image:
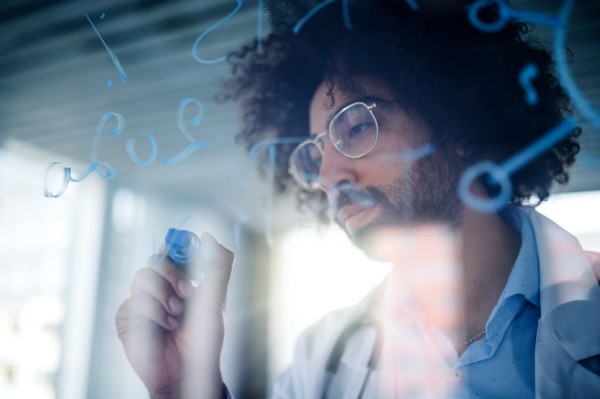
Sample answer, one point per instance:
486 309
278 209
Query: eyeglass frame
318 139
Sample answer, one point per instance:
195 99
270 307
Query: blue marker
182 247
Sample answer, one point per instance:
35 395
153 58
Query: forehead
322 108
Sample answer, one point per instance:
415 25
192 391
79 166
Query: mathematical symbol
585 108
528 73
206 32
95 166
500 174
505 14
112 56
316 9
196 145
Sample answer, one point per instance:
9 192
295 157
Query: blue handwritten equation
110 173
112 56
498 173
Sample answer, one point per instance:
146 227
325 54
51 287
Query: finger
148 307
176 277
152 283
217 265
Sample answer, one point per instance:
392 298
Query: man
399 80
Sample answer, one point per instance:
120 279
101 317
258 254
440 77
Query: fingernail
175 305
185 288
172 321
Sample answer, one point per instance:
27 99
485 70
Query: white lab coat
568 331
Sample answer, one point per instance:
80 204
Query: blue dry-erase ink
505 14
194 121
346 12
112 56
312 12
189 150
323 205
109 84
270 194
120 126
196 145
237 230
95 166
412 4
65 182
585 108
527 74
195 48
102 16
273 141
131 150
500 174
259 27
413 155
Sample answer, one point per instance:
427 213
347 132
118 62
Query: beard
425 194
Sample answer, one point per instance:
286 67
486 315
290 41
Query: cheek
378 168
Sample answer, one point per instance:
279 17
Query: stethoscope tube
338 350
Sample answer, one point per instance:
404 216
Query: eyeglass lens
353 133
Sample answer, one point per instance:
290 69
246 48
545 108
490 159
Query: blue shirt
502 364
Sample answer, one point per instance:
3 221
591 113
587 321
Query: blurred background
66 263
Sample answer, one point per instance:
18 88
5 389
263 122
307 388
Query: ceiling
54 72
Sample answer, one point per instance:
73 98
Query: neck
489 251
468 265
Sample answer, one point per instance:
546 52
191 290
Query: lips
353 215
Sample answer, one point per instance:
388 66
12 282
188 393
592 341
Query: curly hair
463 82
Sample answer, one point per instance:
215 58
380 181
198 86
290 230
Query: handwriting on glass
112 56
95 166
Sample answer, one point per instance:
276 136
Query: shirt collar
522 285
524 278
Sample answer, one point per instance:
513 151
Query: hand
172 333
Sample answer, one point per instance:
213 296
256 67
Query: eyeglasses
353 131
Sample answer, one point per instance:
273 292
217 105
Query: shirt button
456 375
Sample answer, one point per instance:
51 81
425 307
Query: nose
335 168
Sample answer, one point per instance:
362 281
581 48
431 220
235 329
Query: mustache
348 193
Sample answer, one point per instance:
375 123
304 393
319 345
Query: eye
356 130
